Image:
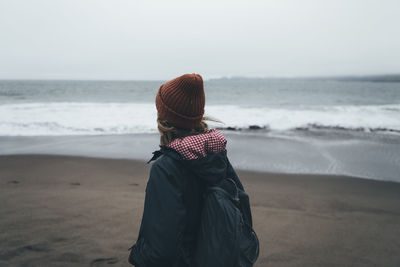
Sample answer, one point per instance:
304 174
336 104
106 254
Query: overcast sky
147 39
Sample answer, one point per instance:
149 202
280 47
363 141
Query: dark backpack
226 237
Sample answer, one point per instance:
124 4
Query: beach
303 96
84 211
319 158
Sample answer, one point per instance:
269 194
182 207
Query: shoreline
238 170
68 210
337 154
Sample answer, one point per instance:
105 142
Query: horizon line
223 77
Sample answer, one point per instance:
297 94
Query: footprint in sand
13 182
75 183
70 257
19 251
101 261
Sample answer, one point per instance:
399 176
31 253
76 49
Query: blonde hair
169 133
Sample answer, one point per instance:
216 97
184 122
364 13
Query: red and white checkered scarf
197 146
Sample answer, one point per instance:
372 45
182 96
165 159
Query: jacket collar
211 168
167 151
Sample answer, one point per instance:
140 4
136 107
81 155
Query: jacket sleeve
232 174
162 222
244 198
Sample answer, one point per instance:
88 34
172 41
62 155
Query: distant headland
357 78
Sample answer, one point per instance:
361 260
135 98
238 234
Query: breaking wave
73 118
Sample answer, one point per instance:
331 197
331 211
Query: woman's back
192 158
174 194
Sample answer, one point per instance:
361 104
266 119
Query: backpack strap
227 187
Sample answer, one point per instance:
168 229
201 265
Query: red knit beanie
181 101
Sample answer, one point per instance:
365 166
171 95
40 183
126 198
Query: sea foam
73 118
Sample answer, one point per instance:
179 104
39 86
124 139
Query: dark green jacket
173 205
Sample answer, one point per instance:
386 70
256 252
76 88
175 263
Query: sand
76 211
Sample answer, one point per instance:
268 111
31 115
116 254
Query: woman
191 159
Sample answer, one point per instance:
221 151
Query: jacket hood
211 168
204 154
199 145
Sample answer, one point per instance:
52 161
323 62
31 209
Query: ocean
33 108
309 126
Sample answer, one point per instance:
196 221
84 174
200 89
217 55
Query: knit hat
181 101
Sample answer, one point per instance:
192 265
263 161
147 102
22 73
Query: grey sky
147 39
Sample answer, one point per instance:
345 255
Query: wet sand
76 211
363 155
